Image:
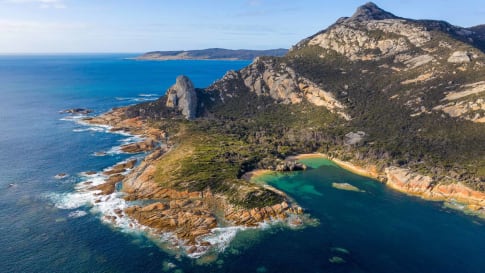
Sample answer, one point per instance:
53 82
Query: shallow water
378 230
382 230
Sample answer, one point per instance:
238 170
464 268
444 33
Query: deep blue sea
377 230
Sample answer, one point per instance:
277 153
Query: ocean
48 226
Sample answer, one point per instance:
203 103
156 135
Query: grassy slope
242 134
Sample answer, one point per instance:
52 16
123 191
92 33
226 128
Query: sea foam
140 98
77 214
110 208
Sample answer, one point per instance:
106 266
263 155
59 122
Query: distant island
211 54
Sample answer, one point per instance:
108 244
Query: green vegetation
213 153
238 131
432 143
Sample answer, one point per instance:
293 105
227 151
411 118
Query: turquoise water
378 230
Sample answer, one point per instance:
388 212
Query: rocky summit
401 100
371 11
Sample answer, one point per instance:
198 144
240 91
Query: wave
91 181
122 98
131 139
77 214
220 238
73 200
61 176
73 118
141 98
149 95
115 150
110 208
89 129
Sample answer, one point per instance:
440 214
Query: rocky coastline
189 217
411 183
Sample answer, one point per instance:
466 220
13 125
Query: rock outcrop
371 11
182 96
290 166
468 102
266 77
191 215
354 138
371 39
346 187
121 167
139 147
409 182
77 111
187 218
412 183
459 57
188 215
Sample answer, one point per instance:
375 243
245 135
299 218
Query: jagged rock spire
182 96
371 11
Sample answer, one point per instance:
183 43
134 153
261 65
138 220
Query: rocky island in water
395 99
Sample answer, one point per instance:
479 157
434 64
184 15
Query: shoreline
182 59
194 240
407 182
185 220
342 164
255 173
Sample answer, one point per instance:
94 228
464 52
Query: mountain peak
371 11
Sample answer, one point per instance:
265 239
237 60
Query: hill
211 54
401 100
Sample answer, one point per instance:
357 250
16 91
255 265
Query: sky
76 26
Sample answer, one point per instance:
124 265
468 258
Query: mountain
397 99
211 54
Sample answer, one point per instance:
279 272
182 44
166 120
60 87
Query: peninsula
210 54
397 99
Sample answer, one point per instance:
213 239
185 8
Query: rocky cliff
409 182
275 79
182 96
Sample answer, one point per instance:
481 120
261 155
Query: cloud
57 4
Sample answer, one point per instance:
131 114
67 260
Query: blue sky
58 26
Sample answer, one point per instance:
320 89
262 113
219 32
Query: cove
373 230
